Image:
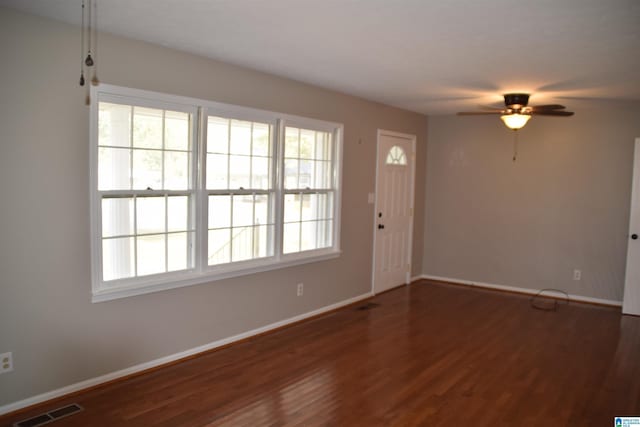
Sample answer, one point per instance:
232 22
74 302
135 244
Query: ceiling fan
517 112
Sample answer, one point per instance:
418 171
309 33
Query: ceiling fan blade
478 113
553 113
548 107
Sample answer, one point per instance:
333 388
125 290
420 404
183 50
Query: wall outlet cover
6 363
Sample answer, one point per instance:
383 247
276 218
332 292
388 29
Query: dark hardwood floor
429 354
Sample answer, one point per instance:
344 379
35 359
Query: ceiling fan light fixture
515 121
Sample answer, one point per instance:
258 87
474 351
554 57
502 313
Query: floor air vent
368 306
50 416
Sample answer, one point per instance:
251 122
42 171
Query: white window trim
203 273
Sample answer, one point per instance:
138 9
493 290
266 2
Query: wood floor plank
429 354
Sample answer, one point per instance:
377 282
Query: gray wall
563 205
46 318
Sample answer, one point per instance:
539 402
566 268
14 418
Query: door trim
632 290
412 160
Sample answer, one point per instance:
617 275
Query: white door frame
631 298
412 163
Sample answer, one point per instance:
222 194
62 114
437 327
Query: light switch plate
372 198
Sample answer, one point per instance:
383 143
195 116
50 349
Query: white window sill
188 279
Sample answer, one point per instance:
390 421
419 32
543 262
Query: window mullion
300 194
253 231
135 236
199 137
251 157
166 233
162 175
131 124
278 162
229 153
166 197
231 228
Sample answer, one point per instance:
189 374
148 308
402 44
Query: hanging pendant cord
515 145
82 48
89 32
94 78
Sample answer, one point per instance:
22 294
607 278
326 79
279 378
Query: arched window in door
396 156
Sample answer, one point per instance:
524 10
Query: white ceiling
430 56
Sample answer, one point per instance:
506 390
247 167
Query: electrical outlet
577 274
6 363
300 289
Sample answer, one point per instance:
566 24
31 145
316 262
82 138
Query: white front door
393 222
631 301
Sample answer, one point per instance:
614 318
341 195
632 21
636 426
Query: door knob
381 226
634 236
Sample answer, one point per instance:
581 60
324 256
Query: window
146 190
186 191
308 189
396 156
240 190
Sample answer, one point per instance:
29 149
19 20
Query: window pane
150 216
176 170
151 254
316 235
306 172
323 176
178 251
290 173
261 215
261 241
114 167
308 239
217 135
219 211
178 213
291 142
147 128
176 131
114 125
308 201
323 146
291 238
117 217
147 169
291 207
217 178
117 258
325 234
240 137
242 246
316 206
219 246
325 206
240 172
260 177
242 210
261 140
313 167
307 142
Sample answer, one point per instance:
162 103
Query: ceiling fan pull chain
515 145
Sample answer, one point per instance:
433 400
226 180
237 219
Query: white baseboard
171 358
527 291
